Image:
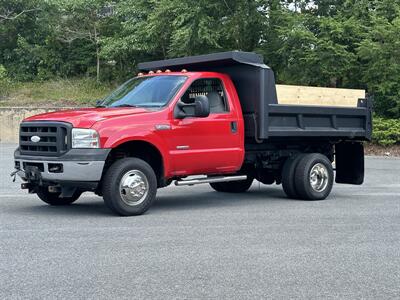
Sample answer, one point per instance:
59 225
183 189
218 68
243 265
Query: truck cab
167 124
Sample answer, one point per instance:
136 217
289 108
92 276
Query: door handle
233 126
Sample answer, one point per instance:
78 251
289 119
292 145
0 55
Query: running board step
210 180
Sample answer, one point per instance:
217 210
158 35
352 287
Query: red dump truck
212 119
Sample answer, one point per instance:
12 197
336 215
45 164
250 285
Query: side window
213 89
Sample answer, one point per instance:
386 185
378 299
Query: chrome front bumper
77 165
72 171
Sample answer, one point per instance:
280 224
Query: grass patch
58 92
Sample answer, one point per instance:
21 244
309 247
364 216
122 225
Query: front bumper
78 165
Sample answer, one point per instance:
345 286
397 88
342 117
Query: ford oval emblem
35 139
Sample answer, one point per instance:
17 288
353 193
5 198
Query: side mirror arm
179 112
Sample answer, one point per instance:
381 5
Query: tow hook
14 174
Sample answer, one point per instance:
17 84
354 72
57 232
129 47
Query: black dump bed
264 117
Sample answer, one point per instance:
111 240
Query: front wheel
129 187
55 199
233 186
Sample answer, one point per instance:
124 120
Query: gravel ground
196 243
390 151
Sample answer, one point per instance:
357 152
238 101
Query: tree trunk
98 64
96 42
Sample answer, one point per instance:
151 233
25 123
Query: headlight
85 138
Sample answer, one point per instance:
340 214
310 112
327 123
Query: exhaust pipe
210 180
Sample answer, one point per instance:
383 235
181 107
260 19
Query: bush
3 73
386 132
5 84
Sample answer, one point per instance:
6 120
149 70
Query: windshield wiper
125 105
99 104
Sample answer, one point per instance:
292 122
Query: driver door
206 145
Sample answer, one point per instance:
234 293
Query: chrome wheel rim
319 177
133 187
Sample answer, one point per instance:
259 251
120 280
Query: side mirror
201 108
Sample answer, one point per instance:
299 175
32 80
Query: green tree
341 43
380 55
84 20
22 35
242 24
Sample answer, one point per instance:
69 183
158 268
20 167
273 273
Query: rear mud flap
349 163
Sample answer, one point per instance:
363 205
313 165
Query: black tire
303 185
54 198
111 187
233 186
288 174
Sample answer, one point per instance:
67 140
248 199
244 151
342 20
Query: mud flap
349 162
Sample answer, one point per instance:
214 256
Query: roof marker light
159 71
151 72
140 74
184 71
167 71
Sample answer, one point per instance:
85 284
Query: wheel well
142 150
266 162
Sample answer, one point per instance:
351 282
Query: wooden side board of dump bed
306 95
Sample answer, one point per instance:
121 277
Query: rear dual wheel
307 177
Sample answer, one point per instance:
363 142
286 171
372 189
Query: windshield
152 91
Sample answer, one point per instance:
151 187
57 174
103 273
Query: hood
86 117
